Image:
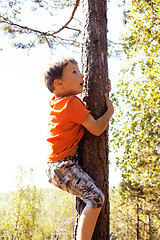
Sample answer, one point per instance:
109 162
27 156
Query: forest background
134 136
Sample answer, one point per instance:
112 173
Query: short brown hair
55 72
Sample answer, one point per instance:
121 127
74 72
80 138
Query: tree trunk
149 227
94 150
137 213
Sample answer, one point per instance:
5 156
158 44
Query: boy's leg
69 176
84 187
87 223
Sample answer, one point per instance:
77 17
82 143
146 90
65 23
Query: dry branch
45 34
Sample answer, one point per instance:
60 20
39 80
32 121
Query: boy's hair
55 72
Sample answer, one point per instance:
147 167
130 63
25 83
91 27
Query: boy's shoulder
67 99
76 109
68 102
75 100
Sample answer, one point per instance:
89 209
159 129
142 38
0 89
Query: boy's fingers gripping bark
109 103
107 99
109 85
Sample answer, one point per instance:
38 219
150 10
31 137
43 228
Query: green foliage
31 213
143 27
129 218
57 215
19 219
137 137
122 217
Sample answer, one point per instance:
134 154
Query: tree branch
123 44
74 29
75 7
9 22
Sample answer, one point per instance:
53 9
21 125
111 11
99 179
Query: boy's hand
109 85
97 126
109 104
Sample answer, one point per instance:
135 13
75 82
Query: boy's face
72 80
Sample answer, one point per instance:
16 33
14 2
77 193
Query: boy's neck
61 96
56 97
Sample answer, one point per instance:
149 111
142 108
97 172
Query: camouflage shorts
67 175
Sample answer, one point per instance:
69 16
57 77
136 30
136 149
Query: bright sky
24 107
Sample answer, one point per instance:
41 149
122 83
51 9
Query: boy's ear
57 83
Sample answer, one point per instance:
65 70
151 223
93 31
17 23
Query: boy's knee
98 200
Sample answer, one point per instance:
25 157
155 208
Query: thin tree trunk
149 227
137 213
94 150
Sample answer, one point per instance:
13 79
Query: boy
68 119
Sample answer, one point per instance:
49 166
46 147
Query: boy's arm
97 127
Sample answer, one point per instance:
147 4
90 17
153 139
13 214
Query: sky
24 105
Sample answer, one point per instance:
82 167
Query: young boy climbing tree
69 118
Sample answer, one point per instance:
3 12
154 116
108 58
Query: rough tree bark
93 152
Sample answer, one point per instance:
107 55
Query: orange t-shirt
65 126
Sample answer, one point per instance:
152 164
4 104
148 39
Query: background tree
94 150
122 216
20 216
137 135
56 216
